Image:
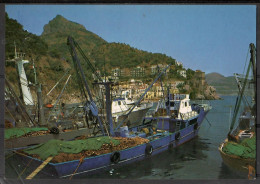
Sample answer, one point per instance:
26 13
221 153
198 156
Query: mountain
55 34
96 49
224 85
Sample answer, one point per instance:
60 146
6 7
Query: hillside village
138 87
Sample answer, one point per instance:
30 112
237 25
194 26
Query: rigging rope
9 113
57 83
25 168
239 98
80 162
246 59
58 98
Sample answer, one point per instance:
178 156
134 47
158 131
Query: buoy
49 105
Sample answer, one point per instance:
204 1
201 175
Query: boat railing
157 106
188 115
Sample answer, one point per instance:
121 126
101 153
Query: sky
211 38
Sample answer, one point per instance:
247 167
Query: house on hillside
141 89
151 94
117 72
158 68
182 73
154 69
178 63
199 79
138 72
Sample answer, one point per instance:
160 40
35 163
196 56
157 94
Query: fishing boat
29 123
121 105
238 150
117 146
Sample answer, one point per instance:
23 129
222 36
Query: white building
179 63
158 68
182 73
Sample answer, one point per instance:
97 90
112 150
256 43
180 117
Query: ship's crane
90 105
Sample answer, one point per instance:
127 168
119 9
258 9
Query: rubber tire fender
54 130
115 157
148 149
177 136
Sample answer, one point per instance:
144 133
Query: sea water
196 159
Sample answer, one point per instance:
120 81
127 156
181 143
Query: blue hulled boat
162 132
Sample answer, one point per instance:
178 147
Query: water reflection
164 165
228 173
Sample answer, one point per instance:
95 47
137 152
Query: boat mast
238 103
24 88
168 99
41 118
252 60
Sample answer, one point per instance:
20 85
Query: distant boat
238 150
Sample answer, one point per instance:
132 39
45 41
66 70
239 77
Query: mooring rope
80 162
25 169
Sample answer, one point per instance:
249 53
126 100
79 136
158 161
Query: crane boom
90 104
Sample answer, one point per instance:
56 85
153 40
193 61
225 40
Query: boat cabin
179 116
178 107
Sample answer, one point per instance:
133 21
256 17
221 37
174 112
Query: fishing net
18 132
54 147
245 149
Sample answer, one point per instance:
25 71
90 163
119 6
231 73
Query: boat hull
103 162
236 162
159 142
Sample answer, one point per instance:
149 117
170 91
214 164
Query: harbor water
196 159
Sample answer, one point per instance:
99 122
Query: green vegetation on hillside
25 42
123 56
